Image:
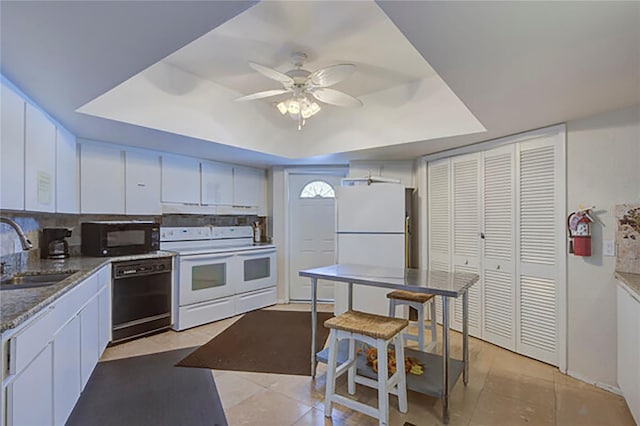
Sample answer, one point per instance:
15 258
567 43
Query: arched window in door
317 189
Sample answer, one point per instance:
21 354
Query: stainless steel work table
441 372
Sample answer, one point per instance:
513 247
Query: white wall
277 219
603 169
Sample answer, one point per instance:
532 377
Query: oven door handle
256 252
201 257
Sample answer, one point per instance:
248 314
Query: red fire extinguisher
579 223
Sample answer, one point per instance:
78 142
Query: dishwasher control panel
141 267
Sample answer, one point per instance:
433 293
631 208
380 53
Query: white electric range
219 272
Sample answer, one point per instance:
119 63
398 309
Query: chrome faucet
26 244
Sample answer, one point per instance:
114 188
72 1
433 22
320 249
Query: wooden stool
377 331
416 301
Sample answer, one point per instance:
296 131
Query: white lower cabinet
629 351
30 394
66 371
89 341
50 358
104 321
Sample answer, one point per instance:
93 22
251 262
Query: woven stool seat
417 301
410 296
375 326
378 332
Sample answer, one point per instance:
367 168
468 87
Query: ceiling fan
305 88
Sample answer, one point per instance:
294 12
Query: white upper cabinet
101 179
216 183
66 172
11 150
248 186
40 164
142 183
180 180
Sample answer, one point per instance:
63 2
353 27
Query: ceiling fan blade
329 76
260 95
271 73
335 97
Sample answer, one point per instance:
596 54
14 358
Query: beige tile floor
504 389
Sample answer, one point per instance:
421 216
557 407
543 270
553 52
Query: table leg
465 337
314 320
350 297
445 359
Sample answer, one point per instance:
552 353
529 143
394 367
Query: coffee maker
53 244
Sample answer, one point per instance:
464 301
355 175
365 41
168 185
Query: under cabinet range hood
170 208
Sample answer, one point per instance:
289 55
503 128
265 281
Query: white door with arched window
311 231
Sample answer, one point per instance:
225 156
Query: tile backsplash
32 223
628 238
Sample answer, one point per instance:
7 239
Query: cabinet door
40 161
11 150
30 395
89 340
498 273
104 318
104 307
180 179
66 172
248 186
217 183
629 350
439 213
540 224
142 186
465 247
101 179
66 370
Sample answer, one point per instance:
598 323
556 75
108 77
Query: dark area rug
149 390
263 341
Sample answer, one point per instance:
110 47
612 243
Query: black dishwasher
141 302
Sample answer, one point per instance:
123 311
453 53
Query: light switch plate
608 248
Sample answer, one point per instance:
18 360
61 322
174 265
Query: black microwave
119 238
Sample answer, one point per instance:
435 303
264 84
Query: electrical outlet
608 248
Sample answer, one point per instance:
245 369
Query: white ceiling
515 66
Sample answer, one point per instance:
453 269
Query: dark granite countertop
630 282
17 305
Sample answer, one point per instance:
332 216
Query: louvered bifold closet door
465 176
498 227
439 219
541 247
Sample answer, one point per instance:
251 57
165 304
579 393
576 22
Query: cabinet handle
142 184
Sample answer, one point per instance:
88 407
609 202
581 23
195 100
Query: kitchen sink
34 279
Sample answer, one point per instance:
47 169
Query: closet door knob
498 267
466 262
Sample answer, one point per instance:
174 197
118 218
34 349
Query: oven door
205 277
257 269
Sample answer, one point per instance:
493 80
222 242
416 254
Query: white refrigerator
370 230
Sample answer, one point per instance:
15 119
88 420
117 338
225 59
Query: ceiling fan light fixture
308 109
304 87
282 107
